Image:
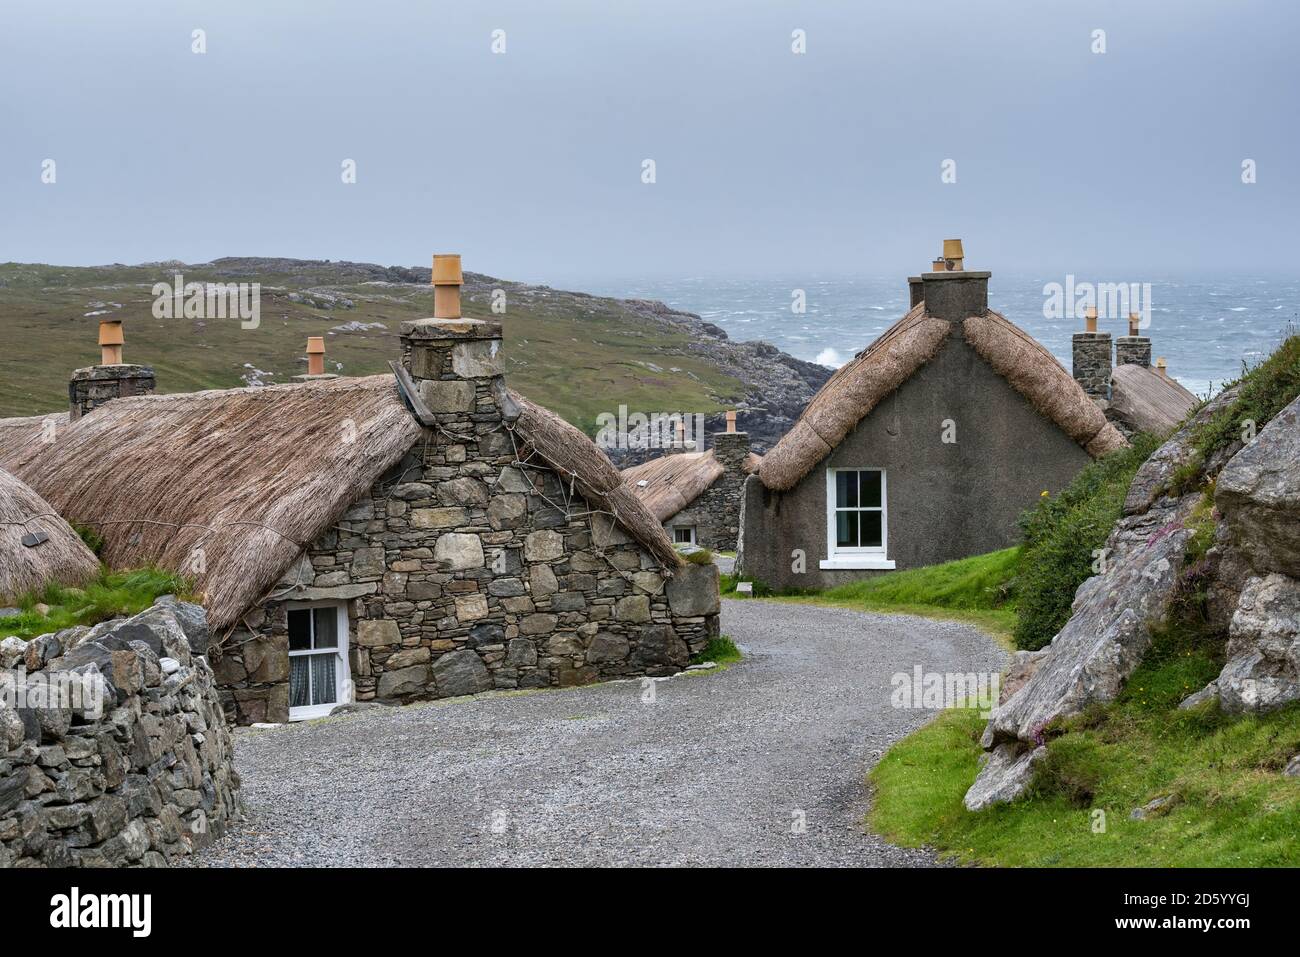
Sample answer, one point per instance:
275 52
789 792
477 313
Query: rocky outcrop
1110 629
113 750
1258 494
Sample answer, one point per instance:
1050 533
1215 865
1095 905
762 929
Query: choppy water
1204 328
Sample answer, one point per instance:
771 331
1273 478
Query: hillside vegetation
579 355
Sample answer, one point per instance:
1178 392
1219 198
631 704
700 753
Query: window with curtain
317 662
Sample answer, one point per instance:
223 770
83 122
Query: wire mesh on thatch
851 393
577 459
59 554
1034 372
1147 401
668 484
249 476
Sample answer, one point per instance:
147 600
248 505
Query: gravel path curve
719 770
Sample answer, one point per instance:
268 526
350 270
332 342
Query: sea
1207 330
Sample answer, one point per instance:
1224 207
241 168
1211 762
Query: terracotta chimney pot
315 355
447 279
111 341
1090 317
731 421
1160 367
1134 324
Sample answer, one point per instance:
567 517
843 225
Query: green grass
721 651
979 590
1265 390
111 595
1232 807
1061 534
567 351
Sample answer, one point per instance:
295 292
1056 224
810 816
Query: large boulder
1258 493
1103 642
1151 483
1262 672
1007 772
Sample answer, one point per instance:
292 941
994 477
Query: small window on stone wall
684 534
318 660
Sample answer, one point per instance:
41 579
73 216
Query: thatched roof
249 475
1034 372
1147 401
856 388
254 475
29 430
668 484
61 557
851 393
570 452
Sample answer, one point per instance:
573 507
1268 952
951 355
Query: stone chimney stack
1135 348
92 386
915 291
456 363
1091 359
950 292
315 361
730 448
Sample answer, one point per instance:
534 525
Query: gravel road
719 770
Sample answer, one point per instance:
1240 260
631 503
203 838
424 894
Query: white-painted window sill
850 564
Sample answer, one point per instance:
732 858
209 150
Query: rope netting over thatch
57 554
668 484
226 486
852 392
1148 401
1034 372
579 461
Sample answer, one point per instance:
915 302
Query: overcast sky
530 162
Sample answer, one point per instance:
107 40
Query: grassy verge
109 596
979 591
1230 807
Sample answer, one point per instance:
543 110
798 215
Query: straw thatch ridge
1034 372
851 393
250 476
1147 401
63 557
668 484
752 463
578 460
31 430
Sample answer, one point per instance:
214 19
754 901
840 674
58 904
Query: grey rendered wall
945 501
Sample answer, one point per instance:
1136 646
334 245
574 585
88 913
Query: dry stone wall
113 747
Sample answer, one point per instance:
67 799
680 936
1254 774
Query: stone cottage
398 537
925 448
1132 394
696 495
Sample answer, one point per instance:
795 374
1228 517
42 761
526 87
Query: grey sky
529 163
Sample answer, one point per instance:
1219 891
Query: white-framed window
683 534
857 522
319 678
